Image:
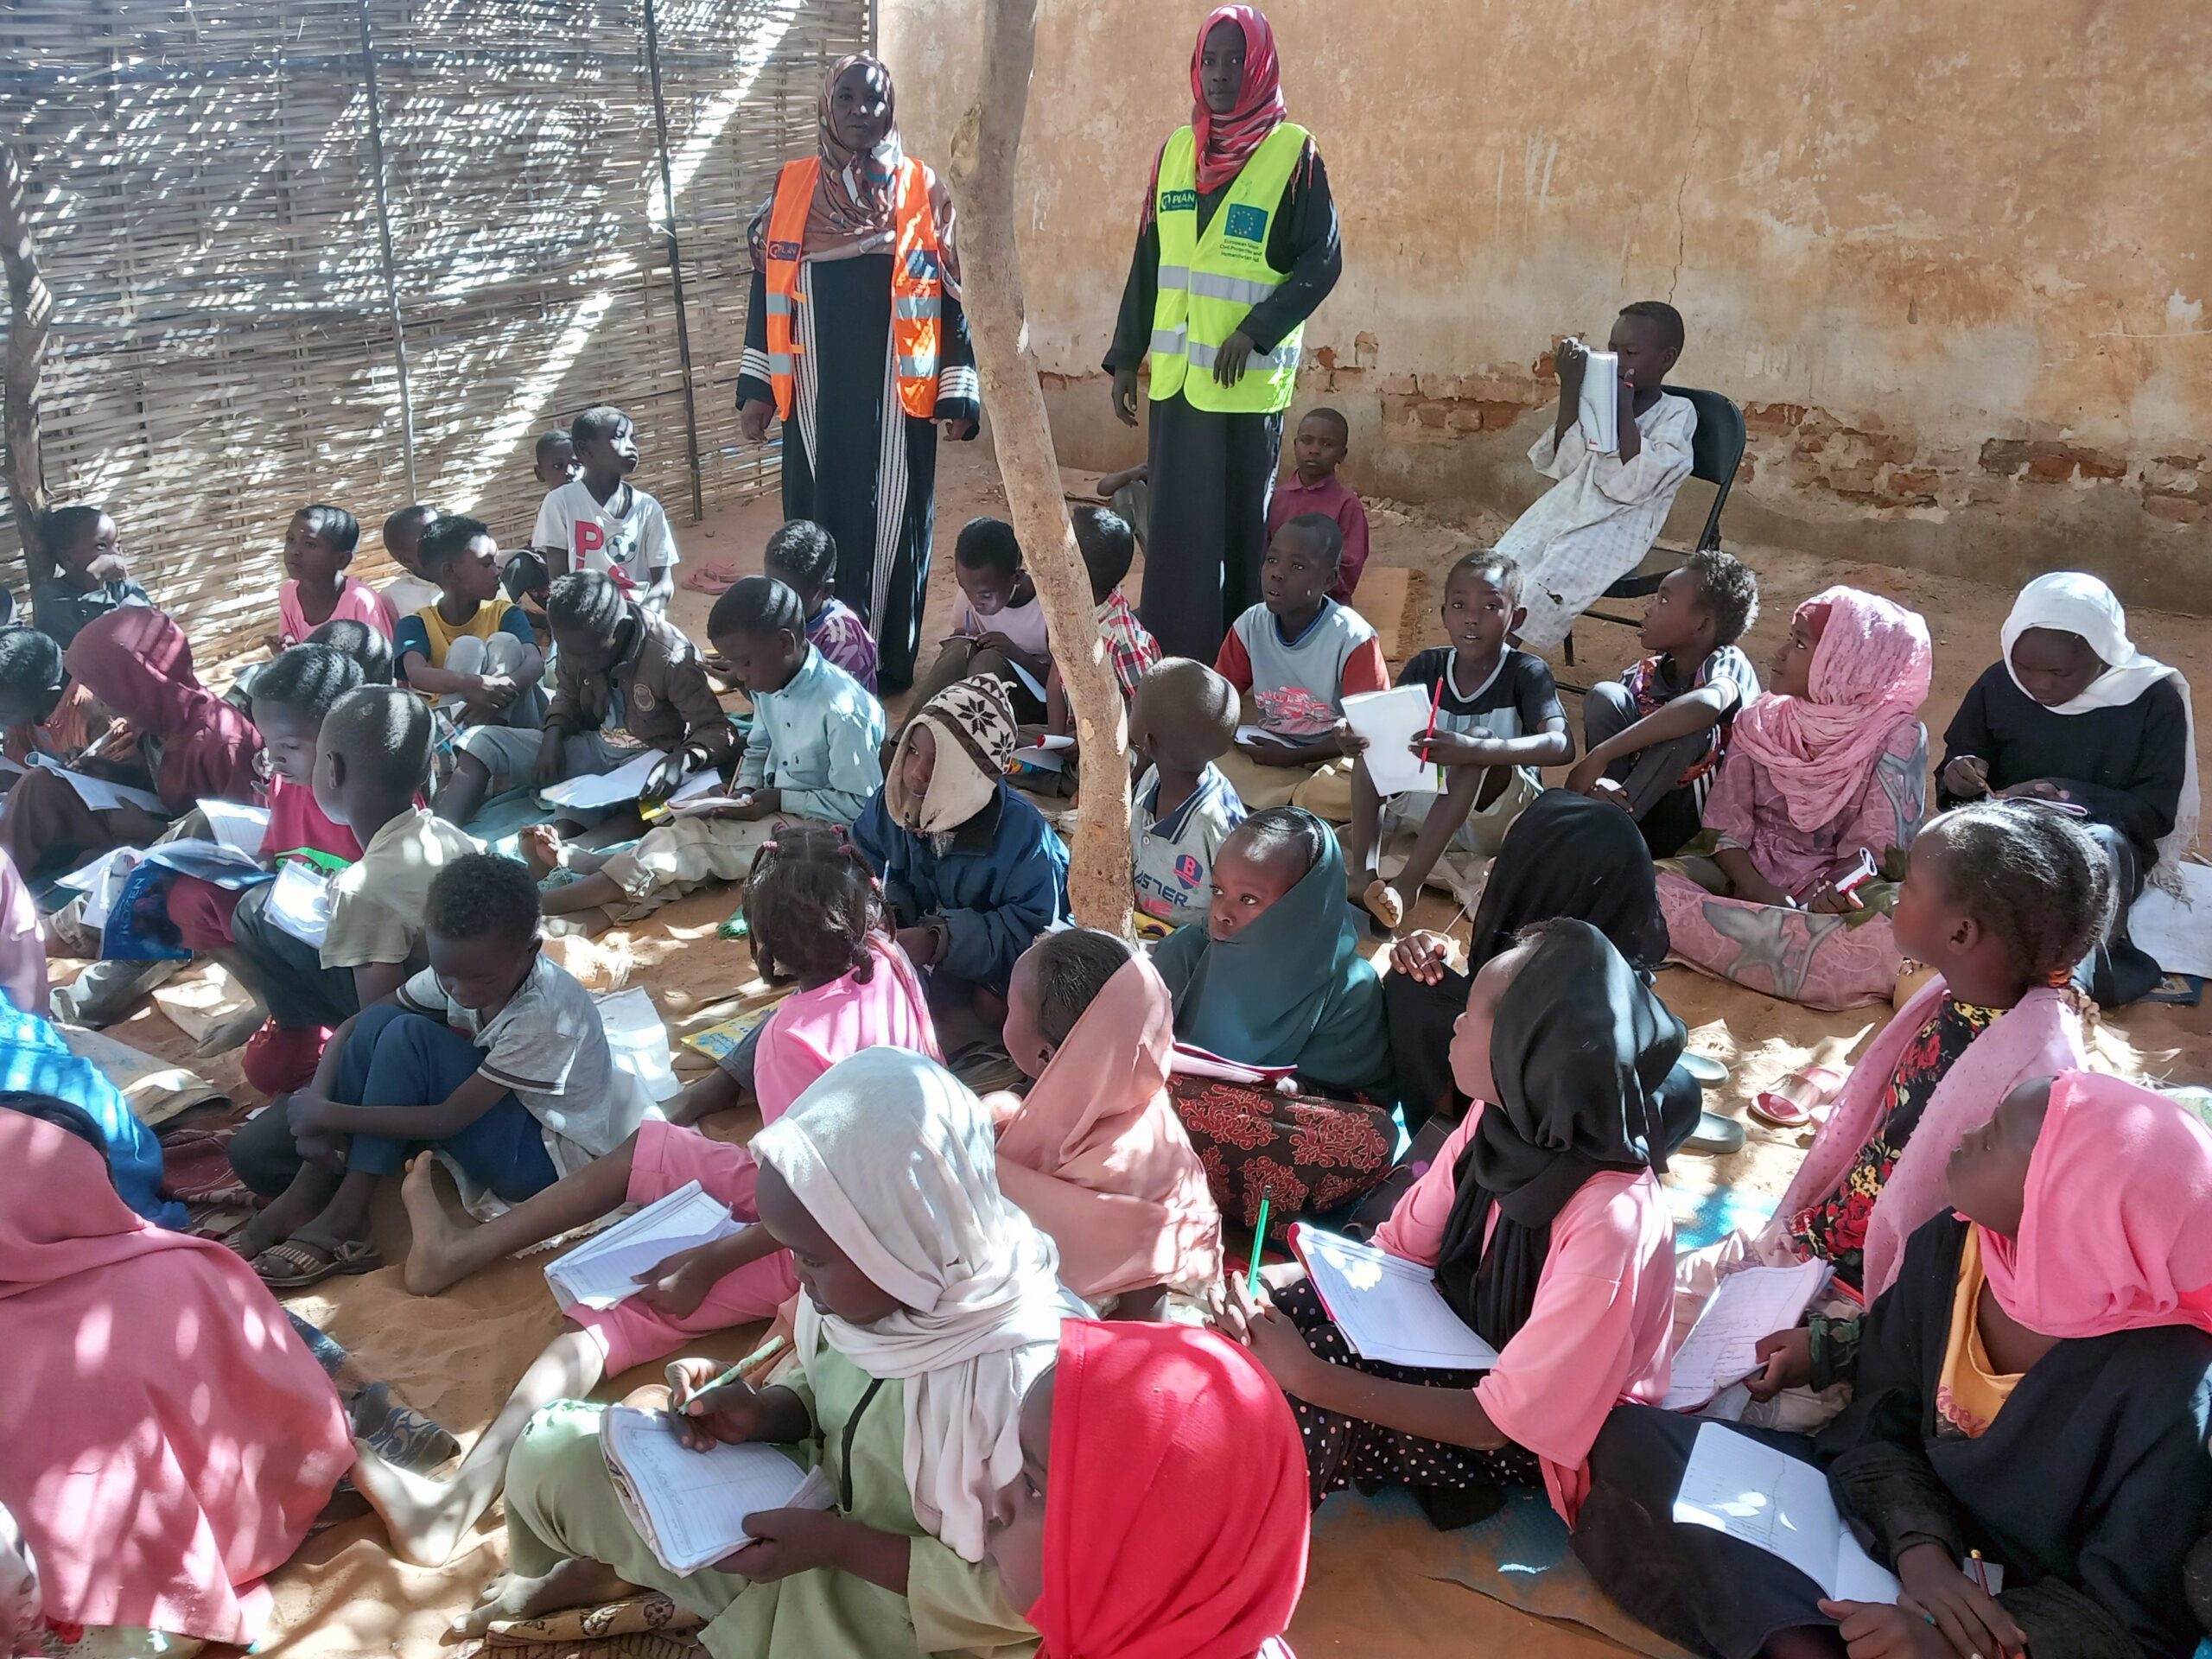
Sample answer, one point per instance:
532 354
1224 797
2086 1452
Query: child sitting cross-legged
804 557
600 521
411 590
1496 718
1182 720
371 753
84 574
625 680
998 621
812 754
1094 1152
1654 738
1108 551
1828 769
972 871
319 544
1298 654
493 1056
472 655
814 915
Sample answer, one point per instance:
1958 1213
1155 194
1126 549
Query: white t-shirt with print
628 539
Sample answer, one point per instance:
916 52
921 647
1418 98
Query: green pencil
767 1350
1259 1243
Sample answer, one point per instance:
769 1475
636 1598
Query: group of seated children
986 1130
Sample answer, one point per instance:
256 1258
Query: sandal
1383 904
295 1266
705 581
1792 1103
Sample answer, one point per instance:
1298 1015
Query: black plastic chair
1716 451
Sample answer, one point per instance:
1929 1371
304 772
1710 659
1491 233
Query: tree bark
982 173
30 306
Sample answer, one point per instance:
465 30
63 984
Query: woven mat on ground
1519 1556
196 1169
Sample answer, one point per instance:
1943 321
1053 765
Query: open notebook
690 1506
1389 1309
603 1270
1720 1349
1750 1491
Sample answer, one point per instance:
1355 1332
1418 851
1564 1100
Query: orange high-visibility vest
917 284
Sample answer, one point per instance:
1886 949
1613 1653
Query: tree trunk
29 307
983 174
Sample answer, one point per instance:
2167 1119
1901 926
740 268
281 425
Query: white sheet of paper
2176 931
695 1504
619 786
299 903
1389 1309
1389 721
1752 1492
97 793
1035 686
603 1270
242 829
1262 734
638 1039
101 882
1600 411
1719 1349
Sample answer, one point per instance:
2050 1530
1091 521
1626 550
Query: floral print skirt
1305 1154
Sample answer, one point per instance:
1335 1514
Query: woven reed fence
233 336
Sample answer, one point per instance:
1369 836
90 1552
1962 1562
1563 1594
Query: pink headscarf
1098 1158
2117 1231
1870 674
2038 1037
165 1439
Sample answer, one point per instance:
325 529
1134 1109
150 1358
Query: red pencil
1434 705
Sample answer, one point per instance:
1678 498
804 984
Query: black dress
2125 765
1213 474
873 487
2089 1489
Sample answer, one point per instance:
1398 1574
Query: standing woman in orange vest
856 323
1236 246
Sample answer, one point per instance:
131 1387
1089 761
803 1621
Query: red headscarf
137 662
1175 1513
1226 141
2116 1233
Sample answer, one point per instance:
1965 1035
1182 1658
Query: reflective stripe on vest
917 286
1208 281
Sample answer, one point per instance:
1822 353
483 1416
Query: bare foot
438 1257
426 1518
575 1583
1385 904
541 850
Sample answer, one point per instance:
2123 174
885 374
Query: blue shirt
34 1060
815 742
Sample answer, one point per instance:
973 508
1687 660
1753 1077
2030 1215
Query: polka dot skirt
1343 1452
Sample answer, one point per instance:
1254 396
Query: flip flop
295 1266
1792 1103
705 581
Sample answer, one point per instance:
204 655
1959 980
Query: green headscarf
1290 989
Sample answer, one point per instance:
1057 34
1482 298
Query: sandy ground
456 1355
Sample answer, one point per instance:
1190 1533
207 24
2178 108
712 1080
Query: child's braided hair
2030 875
810 902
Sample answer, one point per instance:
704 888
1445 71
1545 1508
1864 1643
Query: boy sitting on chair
1595 525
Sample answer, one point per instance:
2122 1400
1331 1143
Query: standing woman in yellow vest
855 325
1236 245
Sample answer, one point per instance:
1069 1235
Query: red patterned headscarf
1225 142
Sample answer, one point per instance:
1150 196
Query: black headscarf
1568 855
1578 1048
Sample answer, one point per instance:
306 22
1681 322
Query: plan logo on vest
1246 224
778 251
1178 201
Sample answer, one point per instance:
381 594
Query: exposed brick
1467 418
1913 486
1430 414
1497 415
2181 463
2174 508
2096 463
2003 455
1325 356
1855 479
1775 416
1399 385
2049 465
1546 368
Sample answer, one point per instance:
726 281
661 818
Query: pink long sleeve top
1747 809
1601 1327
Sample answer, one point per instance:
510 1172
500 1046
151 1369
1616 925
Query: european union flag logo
1246 224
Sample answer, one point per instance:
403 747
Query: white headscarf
897 1160
2070 602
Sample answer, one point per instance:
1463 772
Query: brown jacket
664 683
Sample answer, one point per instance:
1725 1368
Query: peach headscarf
1098 1158
1870 674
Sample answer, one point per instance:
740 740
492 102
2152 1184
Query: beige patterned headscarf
972 721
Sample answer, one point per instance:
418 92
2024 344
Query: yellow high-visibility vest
1207 283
